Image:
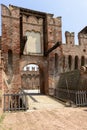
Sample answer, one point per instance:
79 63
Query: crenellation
5 10
70 38
82 39
15 12
57 21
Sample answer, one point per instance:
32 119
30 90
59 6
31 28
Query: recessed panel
33 43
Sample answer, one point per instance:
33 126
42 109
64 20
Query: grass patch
2 118
1 121
0 98
10 128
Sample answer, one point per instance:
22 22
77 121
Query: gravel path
46 114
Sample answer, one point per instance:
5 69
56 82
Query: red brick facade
16 22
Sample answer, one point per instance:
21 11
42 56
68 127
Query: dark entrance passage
31 79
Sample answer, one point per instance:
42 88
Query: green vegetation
10 128
1 121
0 98
2 118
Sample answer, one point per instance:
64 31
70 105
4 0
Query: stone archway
30 77
34 79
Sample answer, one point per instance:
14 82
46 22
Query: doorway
30 78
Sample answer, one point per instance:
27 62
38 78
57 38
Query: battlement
82 37
69 37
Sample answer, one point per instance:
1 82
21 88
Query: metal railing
79 98
65 95
15 102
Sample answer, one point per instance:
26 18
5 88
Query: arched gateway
33 37
28 37
33 78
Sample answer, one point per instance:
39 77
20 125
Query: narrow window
10 59
70 61
56 62
86 61
82 60
63 63
76 62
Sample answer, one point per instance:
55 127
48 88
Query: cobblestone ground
46 114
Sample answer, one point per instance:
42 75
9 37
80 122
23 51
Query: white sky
30 67
73 12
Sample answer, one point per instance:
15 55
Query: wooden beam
54 47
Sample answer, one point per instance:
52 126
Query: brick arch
76 61
25 63
31 64
43 74
70 61
82 60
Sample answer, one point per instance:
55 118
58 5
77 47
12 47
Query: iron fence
15 102
79 98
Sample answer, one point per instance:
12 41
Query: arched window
86 61
70 61
10 59
76 62
63 63
56 62
82 60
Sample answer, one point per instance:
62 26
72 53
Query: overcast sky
73 12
